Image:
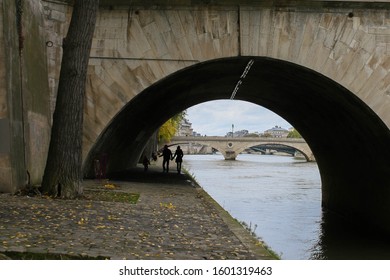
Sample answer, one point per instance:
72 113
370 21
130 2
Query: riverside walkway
172 219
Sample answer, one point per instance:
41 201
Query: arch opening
291 150
348 140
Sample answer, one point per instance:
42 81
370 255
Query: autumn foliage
170 127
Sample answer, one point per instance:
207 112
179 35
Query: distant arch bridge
230 147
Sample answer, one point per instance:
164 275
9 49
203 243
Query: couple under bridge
167 156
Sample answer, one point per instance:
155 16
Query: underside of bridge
349 141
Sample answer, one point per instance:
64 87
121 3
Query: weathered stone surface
145 45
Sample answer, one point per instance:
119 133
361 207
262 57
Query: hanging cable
242 77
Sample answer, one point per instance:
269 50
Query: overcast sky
215 118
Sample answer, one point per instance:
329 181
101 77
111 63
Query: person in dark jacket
167 156
179 158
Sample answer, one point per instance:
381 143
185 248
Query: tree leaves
169 128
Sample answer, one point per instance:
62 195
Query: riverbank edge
257 246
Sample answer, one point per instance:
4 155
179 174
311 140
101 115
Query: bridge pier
229 155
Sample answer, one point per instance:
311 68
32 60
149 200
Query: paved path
173 219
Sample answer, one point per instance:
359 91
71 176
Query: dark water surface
279 198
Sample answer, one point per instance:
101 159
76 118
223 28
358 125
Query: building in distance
276 132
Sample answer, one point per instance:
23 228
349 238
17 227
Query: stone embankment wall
24 94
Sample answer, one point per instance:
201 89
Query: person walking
146 163
179 158
167 156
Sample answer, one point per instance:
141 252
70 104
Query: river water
279 198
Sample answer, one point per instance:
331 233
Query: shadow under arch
349 141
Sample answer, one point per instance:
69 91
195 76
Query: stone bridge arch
352 182
139 44
324 67
303 148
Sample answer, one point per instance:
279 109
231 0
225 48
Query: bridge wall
134 47
24 101
11 147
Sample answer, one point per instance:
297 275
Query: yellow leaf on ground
99 227
110 186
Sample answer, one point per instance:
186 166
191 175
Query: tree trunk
63 172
